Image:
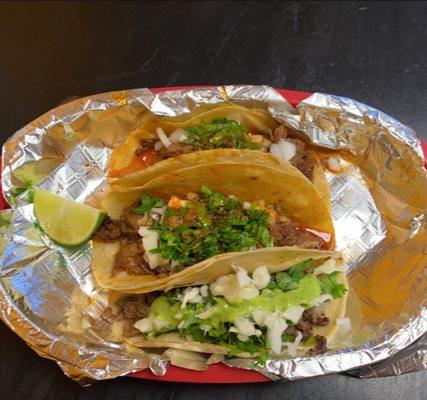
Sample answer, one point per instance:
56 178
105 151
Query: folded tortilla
286 187
275 260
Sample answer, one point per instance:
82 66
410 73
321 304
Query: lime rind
66 222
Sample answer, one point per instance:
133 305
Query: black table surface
374 52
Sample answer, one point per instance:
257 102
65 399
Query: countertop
374 52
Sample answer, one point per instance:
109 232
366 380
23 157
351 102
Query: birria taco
179 226
162 145
281 302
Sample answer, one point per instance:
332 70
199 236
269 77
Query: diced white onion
159 210
242 276
284 150
327 267
178 135
261 277
204 290
293 346
150 240
163 138
178 315
144 324
244 327
205 328
181 325
242 338
248 292
190 295
246 205
344 324
293 313
322 298
259 316
158 146
227 286
334 164
275 326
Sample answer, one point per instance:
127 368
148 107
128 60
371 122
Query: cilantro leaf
147 204
219 133
297 271
285 282
330 285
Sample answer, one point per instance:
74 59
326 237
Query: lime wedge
65 221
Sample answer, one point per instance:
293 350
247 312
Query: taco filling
163 236
256 313
220 133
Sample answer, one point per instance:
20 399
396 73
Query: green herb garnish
220 133
214 224
331 286
147 204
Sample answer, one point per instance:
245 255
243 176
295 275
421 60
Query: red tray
217 373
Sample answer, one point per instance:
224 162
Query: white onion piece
261 277
144 324
163 138
150 241
190 295
293 313
178 135
322 298
293 346
158 146
284 150
259 316
327 267
242 276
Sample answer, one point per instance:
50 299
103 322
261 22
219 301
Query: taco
163 145
260 308
182 223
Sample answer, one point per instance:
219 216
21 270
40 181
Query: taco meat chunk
320 347
131 260
108 231
288 234
302 159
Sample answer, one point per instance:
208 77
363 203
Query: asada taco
277 302
182 224
162 145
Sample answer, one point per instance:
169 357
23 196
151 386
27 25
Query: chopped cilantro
310 341
288 280
331 286
220 133
147 204
213 224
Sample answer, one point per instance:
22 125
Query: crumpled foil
49 297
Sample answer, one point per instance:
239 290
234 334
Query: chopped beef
108 315
108 231
316 318
129 330
302 158
320 347
130 259
131 222
288 234
146 145
175 149
305 327
135 309
164 270
279 133
310 318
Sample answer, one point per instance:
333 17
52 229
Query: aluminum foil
49 297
